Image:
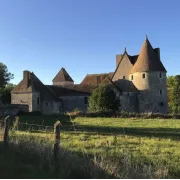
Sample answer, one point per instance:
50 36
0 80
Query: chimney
157 50
118 58
26 78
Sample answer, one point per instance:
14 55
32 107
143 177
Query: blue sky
84 36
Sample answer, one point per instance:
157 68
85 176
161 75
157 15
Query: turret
62 78
149 76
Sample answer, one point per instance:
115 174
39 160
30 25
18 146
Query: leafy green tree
5 76
5 89
6 93
176 95
103 98
170 81
170 87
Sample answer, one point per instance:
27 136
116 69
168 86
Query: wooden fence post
56 143
6 131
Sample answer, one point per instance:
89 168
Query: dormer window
143 76
160 75
124 77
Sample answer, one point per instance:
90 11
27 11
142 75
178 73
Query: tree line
173 85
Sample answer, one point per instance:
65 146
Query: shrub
103 98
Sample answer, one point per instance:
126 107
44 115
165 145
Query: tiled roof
147 60
72 90
35 85
95 79
126 85
62 76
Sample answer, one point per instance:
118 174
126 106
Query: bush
35 113
103 98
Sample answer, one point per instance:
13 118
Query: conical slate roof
147 60
62 76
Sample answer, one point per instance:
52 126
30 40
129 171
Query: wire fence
33 128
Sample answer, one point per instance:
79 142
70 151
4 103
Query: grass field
110 147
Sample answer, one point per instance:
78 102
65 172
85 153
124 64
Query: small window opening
160 75
143 76
37 100
128 94
85 100
46 104
161 104
160 91
124 77
131 77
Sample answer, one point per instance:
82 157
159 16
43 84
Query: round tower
149 76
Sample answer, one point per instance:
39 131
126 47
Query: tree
170 87
103 98
5 76
176 95
6 93
170 81
5 89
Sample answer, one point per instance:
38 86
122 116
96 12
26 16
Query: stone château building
139 82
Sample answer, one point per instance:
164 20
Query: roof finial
125 49
146 37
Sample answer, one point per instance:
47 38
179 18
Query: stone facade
123 73
22 98
74 102
129 102
152 91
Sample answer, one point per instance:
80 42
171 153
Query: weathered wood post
6 131
56 144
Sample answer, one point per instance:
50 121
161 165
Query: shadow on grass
173 133
21 162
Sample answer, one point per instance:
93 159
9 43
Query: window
85 100
37 100
160 91
46 104
161 104
131 77
143 76
128 94
124 77
160 75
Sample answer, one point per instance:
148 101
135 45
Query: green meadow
97 148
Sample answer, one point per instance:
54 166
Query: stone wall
123 70
51 107
22 98
70 103
150 97
129 102
13 109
